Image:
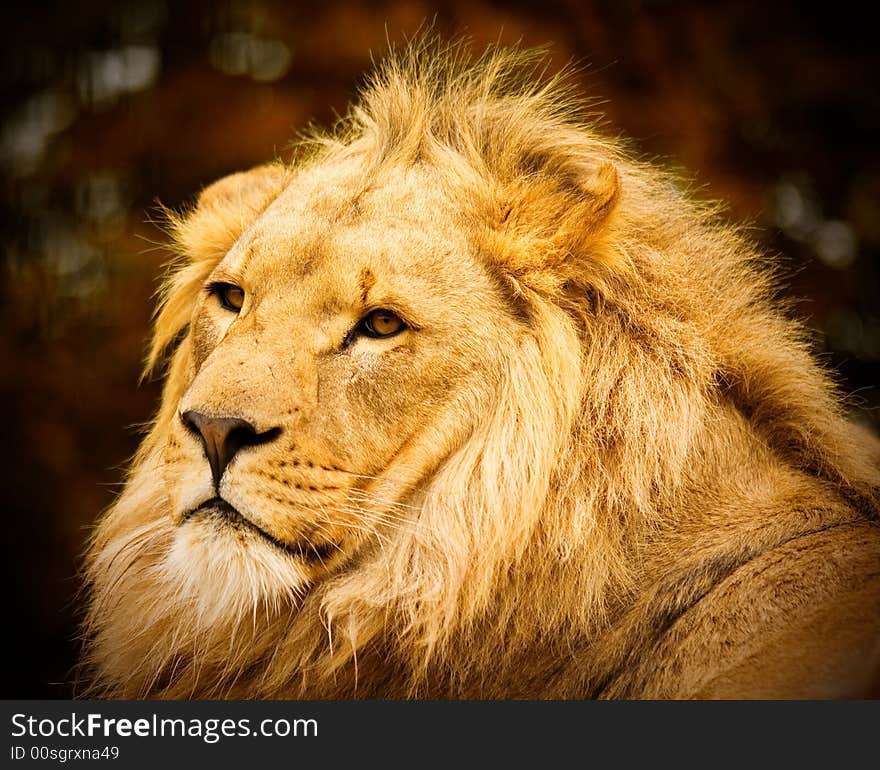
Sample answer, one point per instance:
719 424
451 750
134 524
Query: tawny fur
617 471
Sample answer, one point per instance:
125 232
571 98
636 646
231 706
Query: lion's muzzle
223 437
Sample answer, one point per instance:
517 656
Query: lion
468 401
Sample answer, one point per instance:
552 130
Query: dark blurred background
109 107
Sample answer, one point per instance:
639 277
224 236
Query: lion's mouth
220 510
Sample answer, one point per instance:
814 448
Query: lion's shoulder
789 623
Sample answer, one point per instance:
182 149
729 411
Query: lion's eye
231 296
381 323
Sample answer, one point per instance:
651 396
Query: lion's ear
551 222
594 190
202 237
224 209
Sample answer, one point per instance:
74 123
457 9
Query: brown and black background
109 107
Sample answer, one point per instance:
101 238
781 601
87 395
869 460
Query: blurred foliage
109 107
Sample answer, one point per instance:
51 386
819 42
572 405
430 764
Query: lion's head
428 388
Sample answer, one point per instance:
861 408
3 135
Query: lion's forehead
327 205
325 237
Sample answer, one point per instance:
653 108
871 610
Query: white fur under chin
225 573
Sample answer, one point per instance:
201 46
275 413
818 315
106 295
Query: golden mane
661 358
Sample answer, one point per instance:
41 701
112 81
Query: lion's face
329 348
377 371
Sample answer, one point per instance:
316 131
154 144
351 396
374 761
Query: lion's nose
222 437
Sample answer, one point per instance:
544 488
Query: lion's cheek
378 404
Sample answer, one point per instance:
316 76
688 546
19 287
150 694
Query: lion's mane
658 362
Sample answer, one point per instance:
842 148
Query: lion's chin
227 571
